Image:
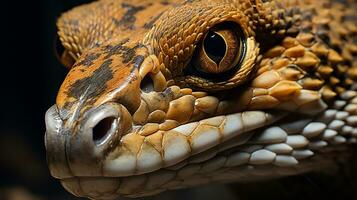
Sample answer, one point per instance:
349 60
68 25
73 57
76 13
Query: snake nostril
147 84
104 129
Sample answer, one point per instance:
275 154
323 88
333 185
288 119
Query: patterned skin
146 107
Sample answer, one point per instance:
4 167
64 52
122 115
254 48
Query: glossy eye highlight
220 50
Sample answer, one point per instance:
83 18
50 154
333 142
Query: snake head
173 95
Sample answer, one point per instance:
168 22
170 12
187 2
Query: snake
169 94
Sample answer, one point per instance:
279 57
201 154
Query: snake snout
77 148
90 140
55 141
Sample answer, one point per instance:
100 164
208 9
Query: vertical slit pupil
215 46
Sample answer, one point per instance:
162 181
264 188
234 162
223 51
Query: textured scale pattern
289 108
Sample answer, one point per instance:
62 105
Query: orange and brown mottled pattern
96 75
134 108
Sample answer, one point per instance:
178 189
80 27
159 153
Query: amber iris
220 50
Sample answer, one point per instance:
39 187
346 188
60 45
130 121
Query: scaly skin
288 106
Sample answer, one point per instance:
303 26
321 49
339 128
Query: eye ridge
215 46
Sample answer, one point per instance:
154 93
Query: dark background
29 79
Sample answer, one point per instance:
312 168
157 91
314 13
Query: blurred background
29 80
30 77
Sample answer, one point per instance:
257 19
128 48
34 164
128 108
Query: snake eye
214 46
221 49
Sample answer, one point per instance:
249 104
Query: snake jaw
182 144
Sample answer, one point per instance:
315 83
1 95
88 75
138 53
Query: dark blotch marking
129 18
111 50
129 53
95 84
164 2
125 52
88 60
